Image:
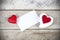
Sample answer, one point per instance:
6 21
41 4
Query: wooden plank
29 9
4 24
29 35
30 4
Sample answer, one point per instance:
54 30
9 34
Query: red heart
12 19
46 19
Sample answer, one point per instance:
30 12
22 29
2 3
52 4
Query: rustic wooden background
10 31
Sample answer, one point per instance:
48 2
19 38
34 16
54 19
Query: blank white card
27 20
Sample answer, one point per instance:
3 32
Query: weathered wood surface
4 24
30 4
30 35
10 31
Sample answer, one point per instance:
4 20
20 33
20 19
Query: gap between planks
30 29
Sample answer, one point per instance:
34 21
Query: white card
27 20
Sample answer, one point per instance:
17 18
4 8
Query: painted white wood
30 4
6 25
29 35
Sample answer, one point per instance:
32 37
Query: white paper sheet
27 20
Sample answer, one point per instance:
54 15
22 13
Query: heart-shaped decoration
45 20
12 19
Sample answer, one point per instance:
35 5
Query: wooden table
10 31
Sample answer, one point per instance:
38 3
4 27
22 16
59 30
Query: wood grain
5 14
29 35
10 31
31 4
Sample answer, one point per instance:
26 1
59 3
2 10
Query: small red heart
46 19
12 19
